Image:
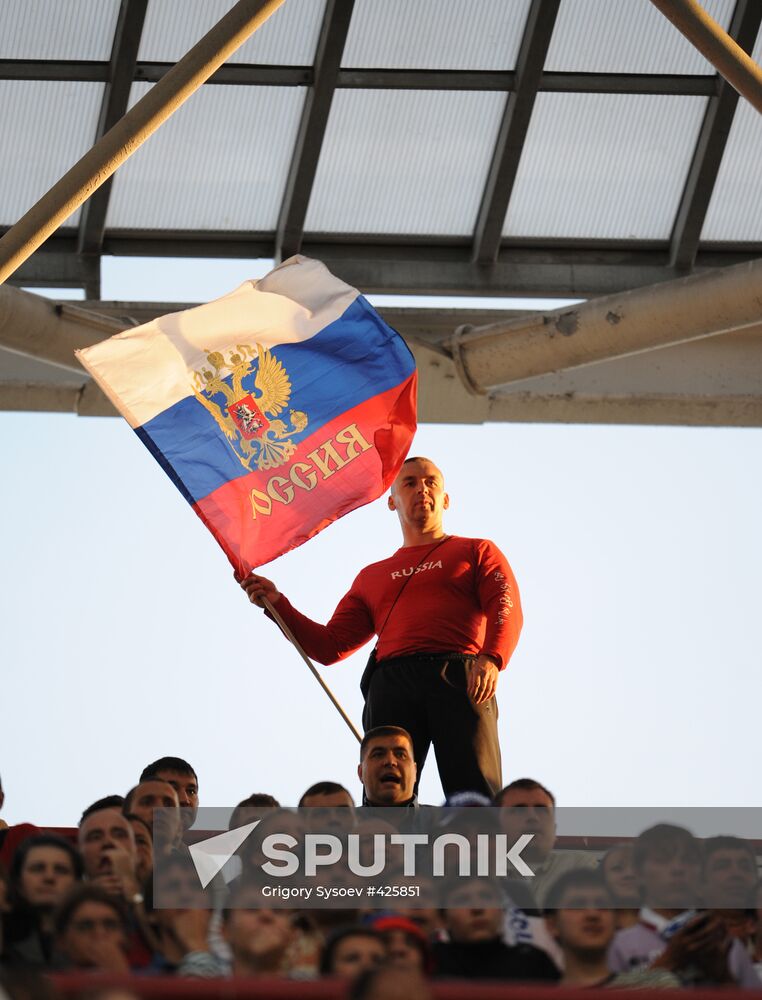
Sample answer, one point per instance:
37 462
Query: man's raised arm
350 627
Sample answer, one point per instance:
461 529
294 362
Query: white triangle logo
210 855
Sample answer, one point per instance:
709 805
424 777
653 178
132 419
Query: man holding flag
281 407
447 615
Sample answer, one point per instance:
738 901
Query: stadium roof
569 148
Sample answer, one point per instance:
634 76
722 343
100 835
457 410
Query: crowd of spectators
87 903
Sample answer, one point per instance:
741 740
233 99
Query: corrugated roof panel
603 36
435 34
604 166
735 211
47 127
51 29
219 162
287 38
404 161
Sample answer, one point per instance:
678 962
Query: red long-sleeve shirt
462 598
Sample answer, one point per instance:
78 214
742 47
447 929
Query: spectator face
529 811
619 874
473 915
428 919
387 771
671 878
355 954
730 874
584 922
150 795
104 836
93 928
401 951
143 849
177 886
46 875
259 936
418 494
186 787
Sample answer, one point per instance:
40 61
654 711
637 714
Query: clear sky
637 550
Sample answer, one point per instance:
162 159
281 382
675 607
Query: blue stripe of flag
353 359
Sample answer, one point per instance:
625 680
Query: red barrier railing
157 988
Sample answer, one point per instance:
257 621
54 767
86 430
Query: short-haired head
728 843
107 802
129 799
664 841
523 785
379 732
561 894
176 764
328 790
253 807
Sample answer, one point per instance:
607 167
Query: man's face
418 495
103 837
730 874
143 849
356 953
387 771
529 811
671 878
259 935
584 923
402 951
473 913
46 874
157 794
92 929
334 812
186 787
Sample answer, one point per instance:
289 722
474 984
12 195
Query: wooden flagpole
292 638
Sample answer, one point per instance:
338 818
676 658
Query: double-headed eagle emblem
247 420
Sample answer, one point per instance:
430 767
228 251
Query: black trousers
426 694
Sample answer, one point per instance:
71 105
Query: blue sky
636 549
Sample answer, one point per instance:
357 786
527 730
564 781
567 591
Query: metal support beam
710 146
513 129
728 58
236 75
519 274
39 328
130 133
124 56
612 327
309 138
255 75
63 70
58 269
709 381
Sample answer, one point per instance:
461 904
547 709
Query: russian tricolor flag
275 409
